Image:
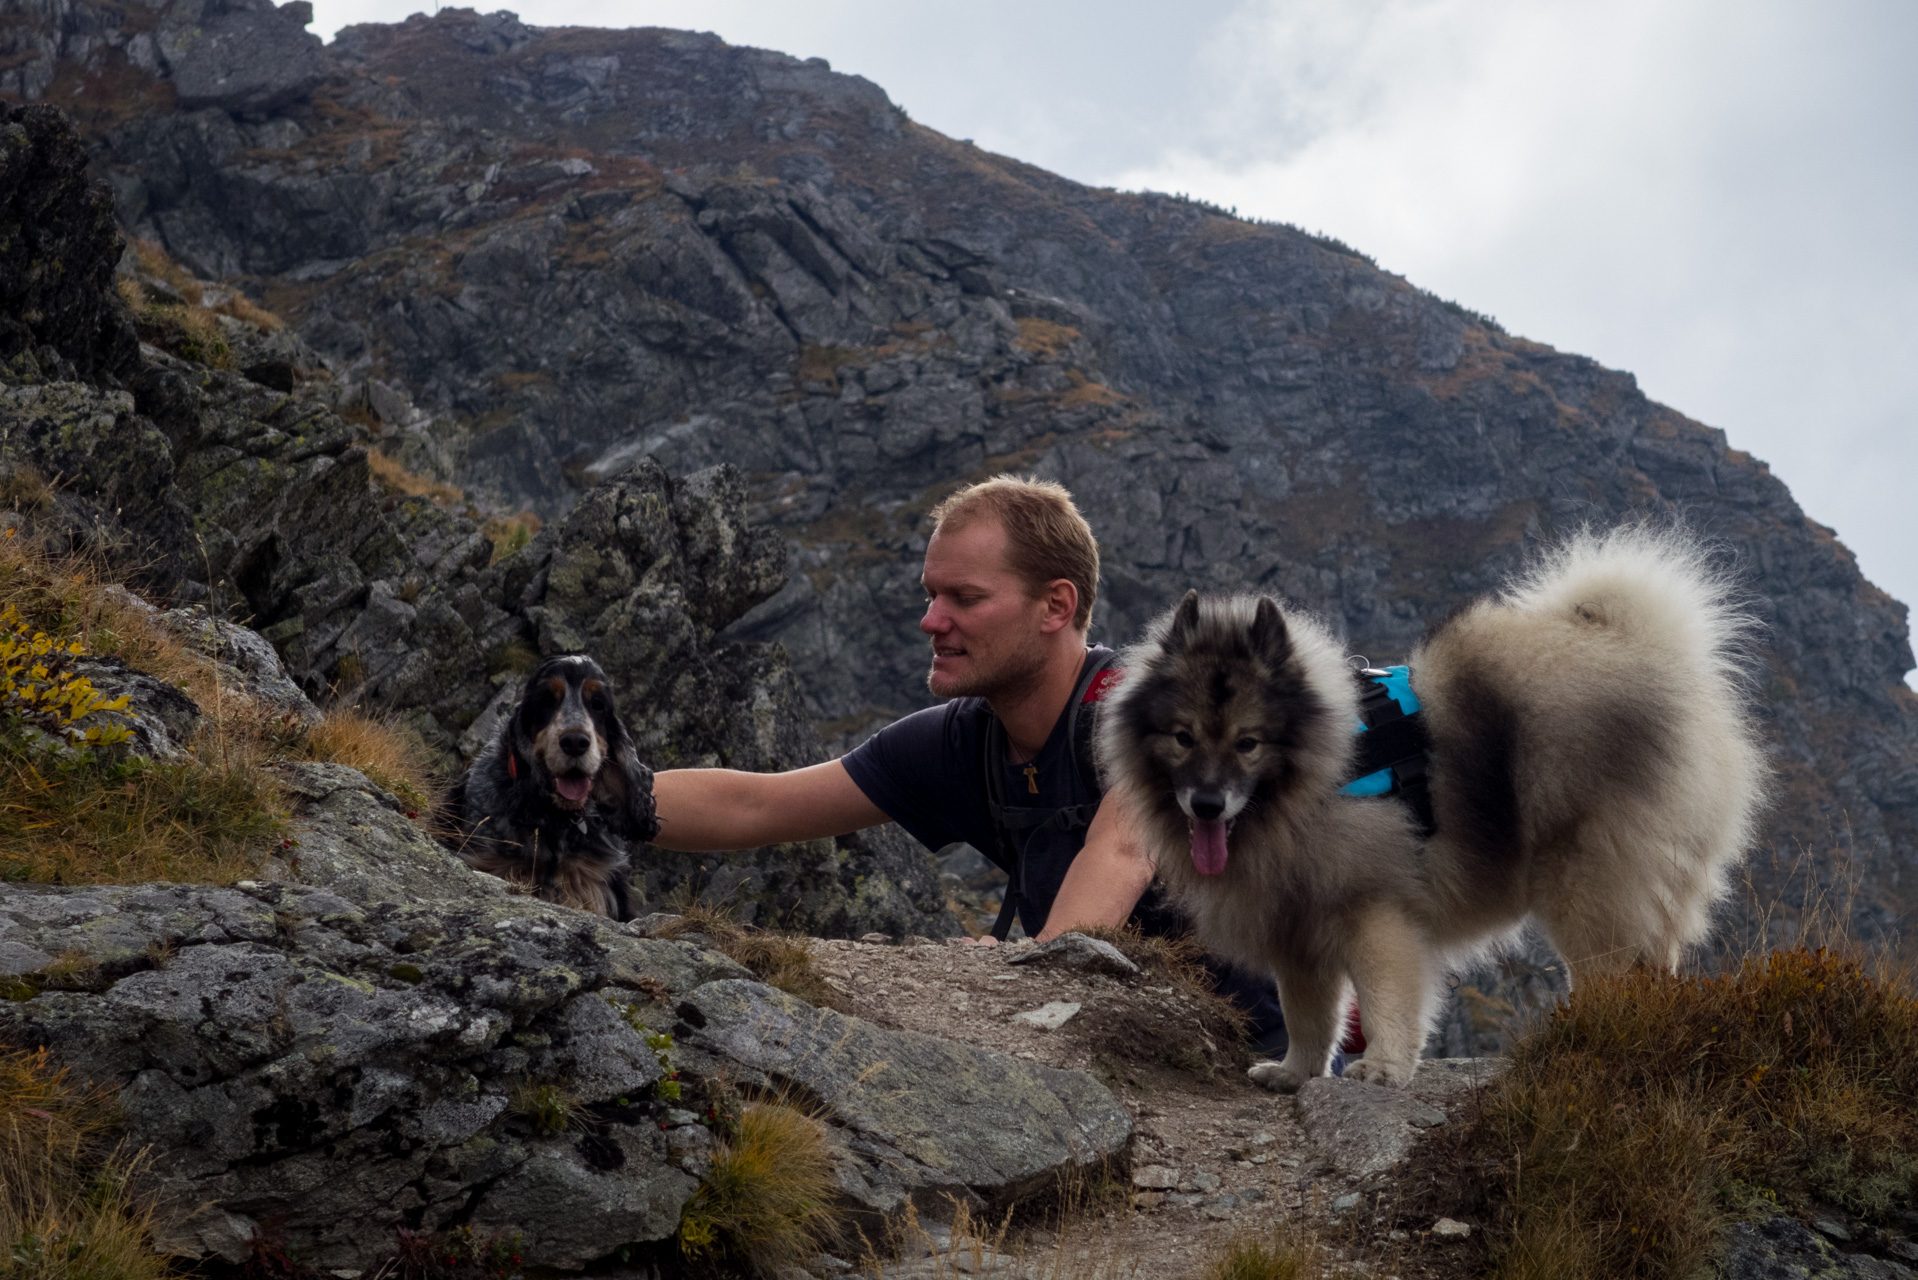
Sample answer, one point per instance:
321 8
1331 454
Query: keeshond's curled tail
1660 587
1592 725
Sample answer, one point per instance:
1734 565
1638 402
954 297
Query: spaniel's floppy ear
624 790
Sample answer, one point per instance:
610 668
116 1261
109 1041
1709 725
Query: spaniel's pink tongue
573 788
1208 845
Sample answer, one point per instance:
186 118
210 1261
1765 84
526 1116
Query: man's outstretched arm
703 809
1106 879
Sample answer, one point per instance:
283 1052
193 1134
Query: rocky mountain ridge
559 250
210 487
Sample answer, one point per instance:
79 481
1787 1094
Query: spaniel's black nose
575 744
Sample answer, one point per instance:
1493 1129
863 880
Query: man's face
986 626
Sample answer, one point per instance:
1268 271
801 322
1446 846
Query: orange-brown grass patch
386 750
190 333
822 364
241 307
1045 339
1085 392
766 1203
188 328
156 261
24 489
777 959
66 1208
509 534
391 475
1651 1110
97 821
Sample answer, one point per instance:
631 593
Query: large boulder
242 55
919 1120
332 1053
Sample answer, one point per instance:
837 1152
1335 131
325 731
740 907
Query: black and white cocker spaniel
557 798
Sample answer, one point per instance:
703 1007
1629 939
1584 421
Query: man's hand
705 809
1110 873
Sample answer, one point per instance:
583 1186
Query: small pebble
1450 1229
1836 1230
1347 1201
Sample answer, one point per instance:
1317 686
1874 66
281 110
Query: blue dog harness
1394 750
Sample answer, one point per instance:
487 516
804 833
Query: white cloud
1714 198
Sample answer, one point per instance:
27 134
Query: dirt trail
1216 1157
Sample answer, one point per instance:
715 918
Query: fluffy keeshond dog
1593 765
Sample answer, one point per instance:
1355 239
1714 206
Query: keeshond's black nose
575 744
1207 805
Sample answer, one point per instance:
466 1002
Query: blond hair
1046 537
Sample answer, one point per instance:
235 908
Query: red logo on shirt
1103 683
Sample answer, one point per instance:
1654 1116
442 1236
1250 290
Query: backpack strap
1015 826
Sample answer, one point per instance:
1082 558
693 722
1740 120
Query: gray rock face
242 55
1362 1129
250 665
335 1051
243 498
1786 1249
927 1120
590 247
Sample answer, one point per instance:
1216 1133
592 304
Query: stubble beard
1012 676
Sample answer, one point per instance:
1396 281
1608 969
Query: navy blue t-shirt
927 772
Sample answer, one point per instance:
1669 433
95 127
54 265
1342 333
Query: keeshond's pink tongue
574 787
1208 845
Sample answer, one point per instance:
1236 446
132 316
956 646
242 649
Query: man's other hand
1109 875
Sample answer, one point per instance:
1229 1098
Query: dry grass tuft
1290 1255
97 819
1652 1110
241 307
24 489
385 749
66 1210
767 1201
777 959
129 822
1045 339
390 475
550 1108
509 534
1175 962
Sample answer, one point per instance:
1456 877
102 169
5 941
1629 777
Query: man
1010 575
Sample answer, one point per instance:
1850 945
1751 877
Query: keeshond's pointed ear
1185 623
1270 640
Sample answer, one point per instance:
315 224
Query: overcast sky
1720 196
